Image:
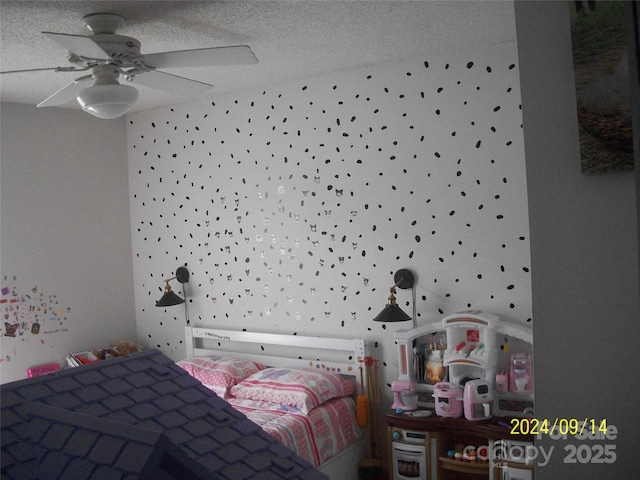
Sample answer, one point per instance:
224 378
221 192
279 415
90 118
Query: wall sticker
29 313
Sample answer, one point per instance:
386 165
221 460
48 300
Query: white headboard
338 355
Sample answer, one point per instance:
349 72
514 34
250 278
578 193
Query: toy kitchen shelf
475 348
471 349
445 433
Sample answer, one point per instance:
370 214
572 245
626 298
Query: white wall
66 243
292 207
584 249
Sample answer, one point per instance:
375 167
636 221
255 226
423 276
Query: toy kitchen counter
427 446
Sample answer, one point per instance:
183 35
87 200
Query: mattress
317 436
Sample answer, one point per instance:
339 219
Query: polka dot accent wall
293 206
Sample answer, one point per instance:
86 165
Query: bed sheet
317 436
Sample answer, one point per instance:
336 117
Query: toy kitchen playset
460 382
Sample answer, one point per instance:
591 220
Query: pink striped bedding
316 436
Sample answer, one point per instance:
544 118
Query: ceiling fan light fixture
107 101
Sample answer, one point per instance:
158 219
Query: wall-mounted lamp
169 298
392 312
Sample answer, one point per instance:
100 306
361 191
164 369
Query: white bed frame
276 350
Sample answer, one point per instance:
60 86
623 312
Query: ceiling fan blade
80 45
67 93
202 57
171 83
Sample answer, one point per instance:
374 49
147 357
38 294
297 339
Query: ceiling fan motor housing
124 51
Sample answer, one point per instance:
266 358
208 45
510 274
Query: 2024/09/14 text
562 426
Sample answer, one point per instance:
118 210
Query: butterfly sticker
10 329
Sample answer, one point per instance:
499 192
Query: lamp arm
182 275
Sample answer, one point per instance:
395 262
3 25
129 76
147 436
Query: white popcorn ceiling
292 39
293 206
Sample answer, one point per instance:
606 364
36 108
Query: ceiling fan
109 57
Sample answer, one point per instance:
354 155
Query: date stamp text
563 426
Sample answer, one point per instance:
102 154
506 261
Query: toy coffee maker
405 397
521 374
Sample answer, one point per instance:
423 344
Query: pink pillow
219 373
300 388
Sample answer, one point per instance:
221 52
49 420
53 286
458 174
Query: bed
134 416
300 390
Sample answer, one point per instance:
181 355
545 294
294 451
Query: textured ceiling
292 39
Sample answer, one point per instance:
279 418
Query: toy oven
410 455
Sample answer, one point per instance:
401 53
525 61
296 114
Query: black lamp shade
169 299
392 313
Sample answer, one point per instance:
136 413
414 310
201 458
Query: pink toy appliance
502 381
405 397
478 400
448 399
521 374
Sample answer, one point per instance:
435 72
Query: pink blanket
317 436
